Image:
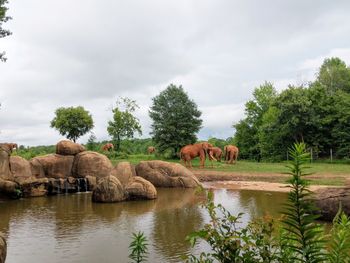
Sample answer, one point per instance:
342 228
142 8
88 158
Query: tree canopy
176 120
72 122
3 19
124 123
317 114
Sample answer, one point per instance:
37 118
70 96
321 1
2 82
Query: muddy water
70 228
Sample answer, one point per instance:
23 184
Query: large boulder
91 164
9 188
139 188
91 182
52 166
124 171
3 248
328 200
66 147
166 174
108 190
5 172
20 169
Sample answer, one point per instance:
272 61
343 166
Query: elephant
191 151
216 152
231 154
151 149
107 147
9 146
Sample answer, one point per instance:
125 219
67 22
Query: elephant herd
201 150
189 152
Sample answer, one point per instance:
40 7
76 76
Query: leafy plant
138 248
302 236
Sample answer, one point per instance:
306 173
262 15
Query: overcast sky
89 52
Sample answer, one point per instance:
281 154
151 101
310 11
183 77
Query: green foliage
302 236
317 114
339 248
72 122
91 144
138 248
3 19
124 123
176 120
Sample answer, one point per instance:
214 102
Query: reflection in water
70 228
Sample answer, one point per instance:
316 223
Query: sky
89 52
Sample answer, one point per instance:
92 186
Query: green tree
91 143
246 135
72 122
3 19
176 120
334 75
124 123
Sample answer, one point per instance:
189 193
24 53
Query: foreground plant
138 248
302 236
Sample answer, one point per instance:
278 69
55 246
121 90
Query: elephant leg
202 159
231 157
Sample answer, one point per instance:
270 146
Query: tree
176 120
91 143
3 19
334 75
247 129
124 124
72 122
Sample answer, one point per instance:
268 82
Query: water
70 228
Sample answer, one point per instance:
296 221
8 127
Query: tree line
317 113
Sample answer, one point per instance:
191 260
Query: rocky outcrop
124 171
328 201
92 182
66 147
91 164
5 172
108 190
52 166
20 169
139 188
166 174
3 248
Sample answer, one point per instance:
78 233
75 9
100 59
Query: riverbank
276 182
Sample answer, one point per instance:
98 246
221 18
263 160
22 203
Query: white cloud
66 53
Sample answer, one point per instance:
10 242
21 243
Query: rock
108 190
124 171
34 187
20 169
329 199
5 172
139 188
9 188
91 164
166 174
3 248
92 182
67 147
52 166
62 186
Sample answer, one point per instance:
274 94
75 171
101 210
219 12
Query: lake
70 228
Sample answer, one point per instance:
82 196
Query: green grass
252 167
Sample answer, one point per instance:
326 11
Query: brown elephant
231 154
107 147
191 151
216 152
151 149
9 146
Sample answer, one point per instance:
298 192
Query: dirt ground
263 182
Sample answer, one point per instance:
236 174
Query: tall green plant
339 248
138 248
303 237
